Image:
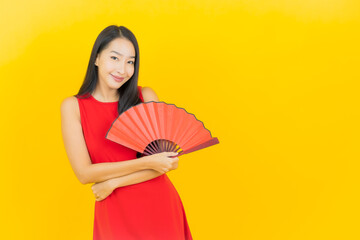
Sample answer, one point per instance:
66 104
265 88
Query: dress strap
140 94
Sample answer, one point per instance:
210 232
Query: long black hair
129 95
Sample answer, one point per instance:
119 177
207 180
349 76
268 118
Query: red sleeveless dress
150 210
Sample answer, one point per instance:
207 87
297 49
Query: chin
113 83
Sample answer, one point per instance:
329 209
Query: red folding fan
154 127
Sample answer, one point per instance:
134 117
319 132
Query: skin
110 175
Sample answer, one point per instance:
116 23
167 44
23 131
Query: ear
96 60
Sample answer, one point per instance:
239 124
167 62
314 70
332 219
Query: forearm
136 177
100 172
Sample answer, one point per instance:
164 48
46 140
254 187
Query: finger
172 156
174 160
172 153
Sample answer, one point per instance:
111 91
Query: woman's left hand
102 189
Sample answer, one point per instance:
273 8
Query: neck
106 95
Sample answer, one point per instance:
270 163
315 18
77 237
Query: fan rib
184 131
198 135
160 121
148 127
178 122
171 126
130 122
129 143
152 127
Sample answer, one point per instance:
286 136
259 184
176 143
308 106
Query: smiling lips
118 79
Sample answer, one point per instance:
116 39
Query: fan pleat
194 133
146 126
186 125
161 121
158 120
199 138
151 114
169 127
178 122
166 121
134 127
130 143
129 133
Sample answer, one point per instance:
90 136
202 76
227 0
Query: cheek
130 70
109 66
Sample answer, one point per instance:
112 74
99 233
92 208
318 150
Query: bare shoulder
149 94
70 105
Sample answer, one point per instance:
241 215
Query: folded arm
133 178
103 171
77 152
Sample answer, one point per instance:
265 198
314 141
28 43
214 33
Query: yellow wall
276 81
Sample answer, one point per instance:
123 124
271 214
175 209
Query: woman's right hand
163 162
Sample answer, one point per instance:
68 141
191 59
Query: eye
113 57
132 62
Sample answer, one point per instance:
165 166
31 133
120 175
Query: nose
121 68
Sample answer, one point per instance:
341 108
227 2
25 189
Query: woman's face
116 63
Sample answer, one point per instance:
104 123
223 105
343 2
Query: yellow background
276 81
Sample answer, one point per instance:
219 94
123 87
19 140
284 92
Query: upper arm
149 94
73 137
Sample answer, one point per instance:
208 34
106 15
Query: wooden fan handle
206 144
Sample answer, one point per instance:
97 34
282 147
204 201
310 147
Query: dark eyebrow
121 54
